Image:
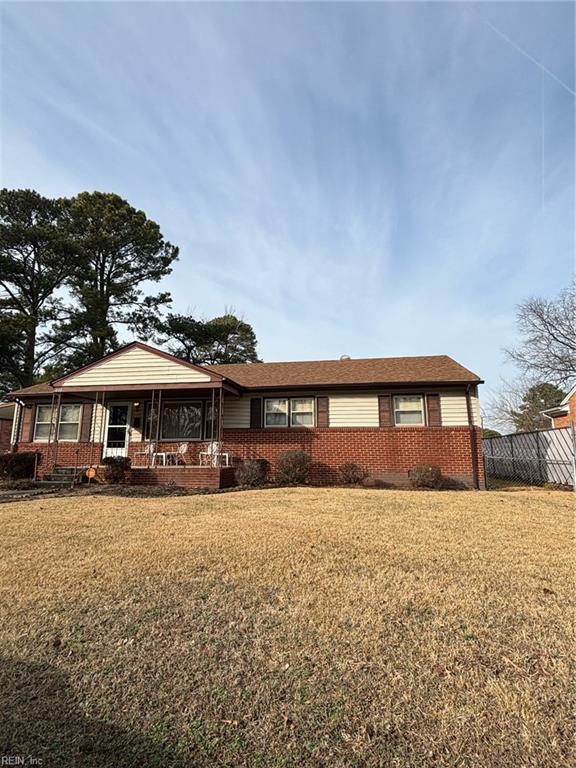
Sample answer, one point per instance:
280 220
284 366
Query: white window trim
51 422
422 409
289 424
69 439
292 413
264 413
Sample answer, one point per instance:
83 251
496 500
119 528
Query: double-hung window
302 412
276 412
285 412
69 422
43 423
409 410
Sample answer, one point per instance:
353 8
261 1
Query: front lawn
300 627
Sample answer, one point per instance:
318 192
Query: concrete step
47 483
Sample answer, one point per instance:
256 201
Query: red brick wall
570 418
387 453
83 454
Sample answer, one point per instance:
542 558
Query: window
69 424
276 413
181 421
302 412
281 412
408 410
43 422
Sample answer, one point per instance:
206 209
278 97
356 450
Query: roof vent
345 357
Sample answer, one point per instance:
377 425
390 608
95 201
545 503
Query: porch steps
64 476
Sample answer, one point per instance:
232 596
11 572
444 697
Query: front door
117 430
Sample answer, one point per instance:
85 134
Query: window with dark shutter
322 419
255 413
385 414
434 415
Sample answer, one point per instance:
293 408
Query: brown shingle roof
44 388
433 369
378 370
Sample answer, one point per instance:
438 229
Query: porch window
181 421
69 424
276 412
43 422
302 412
409 410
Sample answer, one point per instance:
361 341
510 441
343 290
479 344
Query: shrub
352 474
293 467
252 473
425 476
116 468
18 466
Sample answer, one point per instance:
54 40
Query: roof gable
136 363
569 396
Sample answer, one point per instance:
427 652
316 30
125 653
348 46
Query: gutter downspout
473 440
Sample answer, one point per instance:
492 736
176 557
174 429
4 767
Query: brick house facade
385 414
563 415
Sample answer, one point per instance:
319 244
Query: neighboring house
563 415
6 417
386 414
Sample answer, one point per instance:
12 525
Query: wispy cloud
360 178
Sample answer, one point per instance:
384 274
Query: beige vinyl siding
137 366
353 410
454 410
98 421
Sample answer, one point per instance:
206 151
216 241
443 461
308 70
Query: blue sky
371 179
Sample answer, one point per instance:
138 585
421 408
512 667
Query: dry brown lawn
301 627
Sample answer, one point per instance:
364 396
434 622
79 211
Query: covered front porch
169 434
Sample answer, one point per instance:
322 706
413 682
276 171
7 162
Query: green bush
293 467
352 474
17 466
252 473
116 468
426 476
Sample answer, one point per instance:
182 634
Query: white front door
117 430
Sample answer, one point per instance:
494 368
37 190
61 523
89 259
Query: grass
299 627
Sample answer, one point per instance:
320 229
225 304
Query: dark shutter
385 413
28 419
322 412
434 416
255 413
86 423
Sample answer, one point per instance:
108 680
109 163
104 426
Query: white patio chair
179 453
148 451
212 456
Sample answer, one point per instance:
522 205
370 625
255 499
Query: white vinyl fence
546 456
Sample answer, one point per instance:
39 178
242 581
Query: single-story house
563 415
189 424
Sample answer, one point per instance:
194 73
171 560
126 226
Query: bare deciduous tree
548 328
